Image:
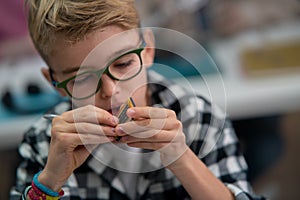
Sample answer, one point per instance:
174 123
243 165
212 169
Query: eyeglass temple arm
142 39
54 83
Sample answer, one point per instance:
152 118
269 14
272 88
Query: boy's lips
114 109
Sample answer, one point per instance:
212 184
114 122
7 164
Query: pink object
12 19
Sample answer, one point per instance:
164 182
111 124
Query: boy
57 161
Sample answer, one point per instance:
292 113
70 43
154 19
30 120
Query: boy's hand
155 129
70 132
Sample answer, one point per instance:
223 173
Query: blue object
28 104
42 187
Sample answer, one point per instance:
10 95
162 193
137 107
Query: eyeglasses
87 84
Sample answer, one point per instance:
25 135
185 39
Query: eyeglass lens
124 68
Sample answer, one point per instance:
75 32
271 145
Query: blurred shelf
250 98
267 93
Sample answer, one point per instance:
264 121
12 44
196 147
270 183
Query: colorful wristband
45 189
36 194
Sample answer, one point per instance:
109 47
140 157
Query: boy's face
96 52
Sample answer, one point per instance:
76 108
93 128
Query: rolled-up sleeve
226 161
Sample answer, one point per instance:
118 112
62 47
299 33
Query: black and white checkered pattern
208 133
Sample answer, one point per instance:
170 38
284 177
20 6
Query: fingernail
121 130
130 112
115 120
111 139
124 138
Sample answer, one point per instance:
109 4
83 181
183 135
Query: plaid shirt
208 133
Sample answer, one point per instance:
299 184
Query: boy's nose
107 86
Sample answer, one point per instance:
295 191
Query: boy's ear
46 73
149 52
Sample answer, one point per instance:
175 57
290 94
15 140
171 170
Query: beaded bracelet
33 196
36 194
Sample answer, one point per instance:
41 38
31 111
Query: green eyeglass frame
99 73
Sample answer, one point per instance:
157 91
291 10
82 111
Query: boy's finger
90 114
149 112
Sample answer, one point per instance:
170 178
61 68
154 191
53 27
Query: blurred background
255 45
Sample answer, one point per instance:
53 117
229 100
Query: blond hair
74 19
